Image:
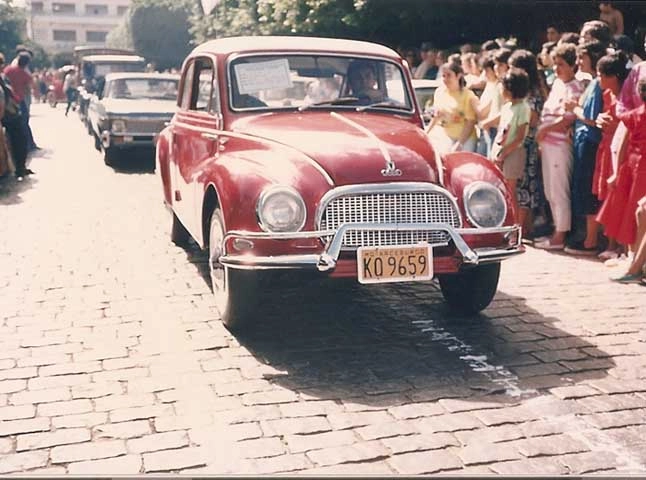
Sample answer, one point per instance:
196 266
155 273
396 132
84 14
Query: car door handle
210 136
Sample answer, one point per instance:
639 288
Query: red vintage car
309 154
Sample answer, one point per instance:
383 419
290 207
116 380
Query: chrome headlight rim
117 121
267 194
481 185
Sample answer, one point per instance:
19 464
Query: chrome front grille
151 126
390 207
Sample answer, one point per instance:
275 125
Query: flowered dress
530 187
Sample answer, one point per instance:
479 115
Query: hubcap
218 272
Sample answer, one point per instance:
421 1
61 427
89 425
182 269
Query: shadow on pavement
342 340
199 259
383 345
11 189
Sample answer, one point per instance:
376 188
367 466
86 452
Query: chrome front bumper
327 260
127 140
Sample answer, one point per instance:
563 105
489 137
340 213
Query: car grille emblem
391 170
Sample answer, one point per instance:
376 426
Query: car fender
464 168
238 179
162 159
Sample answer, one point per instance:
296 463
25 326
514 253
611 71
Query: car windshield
317 81
102 69
143 88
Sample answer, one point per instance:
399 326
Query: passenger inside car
362 79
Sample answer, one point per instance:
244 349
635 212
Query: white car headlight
281 209
118 126
485 205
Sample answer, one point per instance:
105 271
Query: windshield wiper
336 101
381 105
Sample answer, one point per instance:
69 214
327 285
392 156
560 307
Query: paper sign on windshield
253 77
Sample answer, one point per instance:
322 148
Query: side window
203 84
187 86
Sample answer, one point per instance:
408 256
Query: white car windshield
143 88
317 81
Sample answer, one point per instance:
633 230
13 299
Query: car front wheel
235 291
472 290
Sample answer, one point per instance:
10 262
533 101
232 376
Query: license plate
405 263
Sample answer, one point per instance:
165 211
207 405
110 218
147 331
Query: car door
195 128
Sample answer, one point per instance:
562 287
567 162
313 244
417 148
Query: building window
121 10
37 7
91 36
65 35
63 8
96 9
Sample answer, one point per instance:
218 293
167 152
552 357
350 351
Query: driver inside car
120 89
363 82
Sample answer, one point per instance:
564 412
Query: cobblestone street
113 359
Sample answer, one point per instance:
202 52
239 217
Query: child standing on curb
508 151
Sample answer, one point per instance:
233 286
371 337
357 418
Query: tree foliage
156 29
120 36
160 30
276 17
12 27
446 23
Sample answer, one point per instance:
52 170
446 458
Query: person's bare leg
639 247
592 232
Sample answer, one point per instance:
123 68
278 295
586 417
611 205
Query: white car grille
406 207
145 126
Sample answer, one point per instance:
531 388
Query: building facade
61 25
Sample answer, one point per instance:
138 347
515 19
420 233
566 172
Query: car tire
235 291
178 233
109 156
472 290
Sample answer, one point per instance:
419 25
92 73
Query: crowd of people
567 128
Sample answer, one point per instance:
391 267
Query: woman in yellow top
452 128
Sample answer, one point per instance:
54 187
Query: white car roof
152 75
114 58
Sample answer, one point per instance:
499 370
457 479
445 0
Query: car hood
134 107
352 147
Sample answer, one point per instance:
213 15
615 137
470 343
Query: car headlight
485 205
281 209
118 126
